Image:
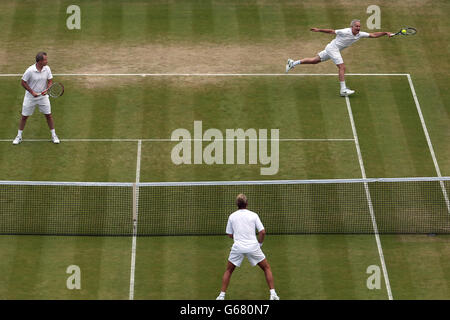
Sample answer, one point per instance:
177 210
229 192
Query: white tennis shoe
17 140
274 297
220 297
55 139
346 92
289 65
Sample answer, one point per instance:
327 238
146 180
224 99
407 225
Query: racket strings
411 31
56 90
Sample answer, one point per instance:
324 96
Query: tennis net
351 206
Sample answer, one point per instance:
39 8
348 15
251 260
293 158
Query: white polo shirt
36 80
242 224
345 37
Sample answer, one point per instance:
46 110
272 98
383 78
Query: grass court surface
100 120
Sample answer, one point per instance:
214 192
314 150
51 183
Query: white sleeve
259 225
339 32
26 75
50 75
364 34
229 229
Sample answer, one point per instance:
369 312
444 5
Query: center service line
369 200
135 218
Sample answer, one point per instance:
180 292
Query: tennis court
115 123
162 267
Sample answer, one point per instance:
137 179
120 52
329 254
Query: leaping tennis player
242 225
344 38
36 80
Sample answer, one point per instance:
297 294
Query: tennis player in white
242 225
36 80
344 38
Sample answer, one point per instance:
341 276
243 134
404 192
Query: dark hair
241 201
40 56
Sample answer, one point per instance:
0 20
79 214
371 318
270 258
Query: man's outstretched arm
323 30
379 34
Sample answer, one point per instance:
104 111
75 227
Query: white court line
369 200
170 140
430 145
206 74
135 218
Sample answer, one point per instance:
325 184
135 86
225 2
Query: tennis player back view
241 227
344 38
36 80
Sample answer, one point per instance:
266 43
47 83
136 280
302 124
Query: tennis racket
55 90
406 31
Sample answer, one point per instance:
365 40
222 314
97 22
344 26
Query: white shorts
254 257
29 104
331 52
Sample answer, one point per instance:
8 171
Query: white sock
53 132
297 62
342 85
19 133
222 294
272 292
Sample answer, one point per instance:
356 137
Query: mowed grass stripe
38 269
389 128
202 20
433 98
106 114
333 107
401 151
336 269
128 104
7 22
157 96
226 26
272 21
310 125
50 19
157 21
135 21
12 95
432 85
249 21
112 19
25 269
415 138
20 30
22 12
9 248
180 18
418 265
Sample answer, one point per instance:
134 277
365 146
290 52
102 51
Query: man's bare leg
341 68
344 90
264 265
23 122
314 60
51 126
291 63
226 280
50 122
